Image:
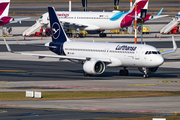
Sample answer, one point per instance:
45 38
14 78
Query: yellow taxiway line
140 84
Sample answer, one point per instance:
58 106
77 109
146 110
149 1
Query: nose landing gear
145 72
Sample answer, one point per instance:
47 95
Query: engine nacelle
149 70
94 67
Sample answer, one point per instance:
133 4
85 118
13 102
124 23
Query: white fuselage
126 55
89 20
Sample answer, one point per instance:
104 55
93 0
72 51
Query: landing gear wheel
145 76
102 35
126 72
123 72
145 73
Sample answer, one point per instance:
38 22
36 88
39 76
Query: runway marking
2 111
167 81
12 71
7 105
96 109
67 86
3 82
140 84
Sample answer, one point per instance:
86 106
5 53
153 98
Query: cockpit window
152 52
41 17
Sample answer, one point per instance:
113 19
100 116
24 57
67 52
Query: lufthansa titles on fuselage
126 47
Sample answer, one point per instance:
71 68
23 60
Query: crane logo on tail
56 30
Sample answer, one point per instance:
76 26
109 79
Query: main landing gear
102 34
124 72
145 73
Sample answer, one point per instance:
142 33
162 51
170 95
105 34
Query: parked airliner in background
4 10
100 20
96 56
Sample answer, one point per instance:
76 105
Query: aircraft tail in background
4 7
142 4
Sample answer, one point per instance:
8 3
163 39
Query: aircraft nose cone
159 60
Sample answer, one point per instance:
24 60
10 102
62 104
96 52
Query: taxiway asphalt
19 73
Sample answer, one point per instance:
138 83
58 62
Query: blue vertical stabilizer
58 34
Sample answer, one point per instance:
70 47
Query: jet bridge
175 21
33 28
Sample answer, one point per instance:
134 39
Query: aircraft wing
19 19
173 50
159 15
107 60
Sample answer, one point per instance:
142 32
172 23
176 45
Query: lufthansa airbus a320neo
97 56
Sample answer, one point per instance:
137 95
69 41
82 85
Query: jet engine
149 70
94 67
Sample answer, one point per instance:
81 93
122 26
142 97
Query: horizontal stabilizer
19 19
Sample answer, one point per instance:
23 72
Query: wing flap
19 19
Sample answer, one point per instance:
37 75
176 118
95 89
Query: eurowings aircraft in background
4 10
100 20
96 56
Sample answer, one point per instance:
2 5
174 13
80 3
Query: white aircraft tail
147 2
142 4
4 7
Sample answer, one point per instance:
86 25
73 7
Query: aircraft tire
102 35
123 72
145 76
126 72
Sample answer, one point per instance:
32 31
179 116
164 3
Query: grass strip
69 95
146 118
